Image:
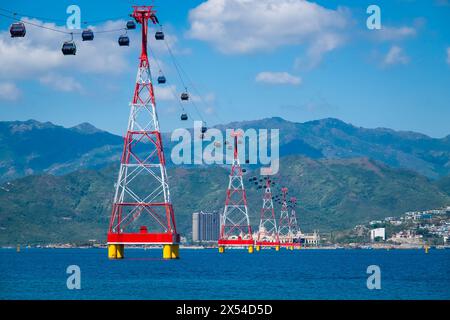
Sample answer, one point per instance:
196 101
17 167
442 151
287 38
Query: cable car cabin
184 117
124 41
204 129
159 35
161 80
131 25
184 96
17 30
69 48
248 161
244 170
87 35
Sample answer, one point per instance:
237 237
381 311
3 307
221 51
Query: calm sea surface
204 274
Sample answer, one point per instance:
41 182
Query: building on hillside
378 233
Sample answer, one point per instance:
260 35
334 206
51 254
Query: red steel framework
293 221
142 190
267 233
235 229
284 224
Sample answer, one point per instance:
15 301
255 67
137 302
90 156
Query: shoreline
362 247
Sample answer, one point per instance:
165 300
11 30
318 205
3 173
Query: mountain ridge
333 194
28 147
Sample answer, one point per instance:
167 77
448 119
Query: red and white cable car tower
235 229
284 224
268 232
142 211
294 225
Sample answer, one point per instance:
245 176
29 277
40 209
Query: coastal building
310 239
377 233
205 226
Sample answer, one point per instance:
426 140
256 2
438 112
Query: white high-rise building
378 233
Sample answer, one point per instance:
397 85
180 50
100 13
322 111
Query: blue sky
247 59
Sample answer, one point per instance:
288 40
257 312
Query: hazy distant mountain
32 147
333 194
333 138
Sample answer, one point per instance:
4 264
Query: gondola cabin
17 29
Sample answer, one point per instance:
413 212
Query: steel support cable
59 20
170 89
192 84
177 68
56 30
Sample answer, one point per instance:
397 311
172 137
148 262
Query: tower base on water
116 251
171 251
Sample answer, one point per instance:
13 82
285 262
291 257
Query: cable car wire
60 20
169 87
56 30
180 69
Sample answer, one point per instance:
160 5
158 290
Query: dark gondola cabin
161 80
184 96
131 25
17 30
87 35
159 35
184 117
124 40
204 129
69 48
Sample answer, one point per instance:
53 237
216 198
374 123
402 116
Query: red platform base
237 243
290 244
143 238
267 244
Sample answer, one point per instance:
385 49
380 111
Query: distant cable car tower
284 224
142 211
267 232
294 225
235 229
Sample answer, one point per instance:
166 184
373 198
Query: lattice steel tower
235 229
293 217
284 224
142 211
267 232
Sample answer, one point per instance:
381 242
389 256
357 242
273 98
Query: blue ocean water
205 274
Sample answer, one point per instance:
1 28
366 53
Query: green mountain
32 147
444 184
333 194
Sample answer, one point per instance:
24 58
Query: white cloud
207 98
9 91
448 55
165 93
39 52
61 83
243 26
395 33
278 78
394 56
